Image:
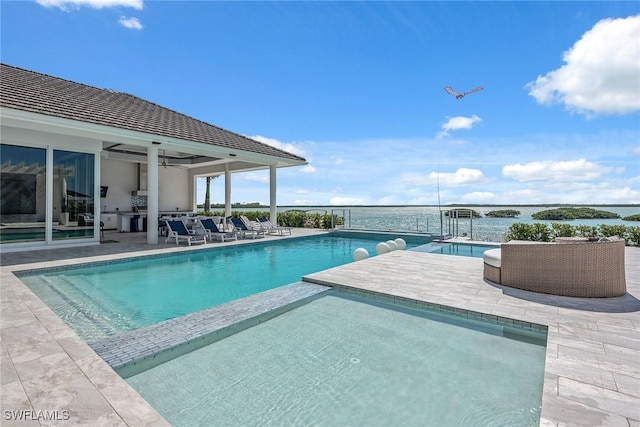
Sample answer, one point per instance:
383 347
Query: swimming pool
344 360
38 233
107 299
474 250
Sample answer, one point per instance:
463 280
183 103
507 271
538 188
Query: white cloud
346 201
601 74
307 169
96 4
479 197
255 176
560 171
527 195
458 122
623 195
132 23
461 177
306 202
286 146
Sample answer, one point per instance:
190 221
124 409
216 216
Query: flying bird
450 91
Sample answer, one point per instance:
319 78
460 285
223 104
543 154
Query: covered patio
124 154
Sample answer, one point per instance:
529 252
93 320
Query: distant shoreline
455 205
452 205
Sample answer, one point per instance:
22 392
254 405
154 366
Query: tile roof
30 91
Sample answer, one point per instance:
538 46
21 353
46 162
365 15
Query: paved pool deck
592 370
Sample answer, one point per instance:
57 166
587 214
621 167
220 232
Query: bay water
426 219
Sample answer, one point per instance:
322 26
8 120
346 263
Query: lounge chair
208 227
243 231
179 231
252 225
271 228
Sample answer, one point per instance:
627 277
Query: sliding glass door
73 195
23 195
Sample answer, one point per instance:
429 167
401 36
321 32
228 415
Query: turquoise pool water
461 249
38 233
345 361
105 300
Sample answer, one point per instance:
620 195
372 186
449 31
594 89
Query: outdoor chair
207 226
253 225
271 228
178 231
242 230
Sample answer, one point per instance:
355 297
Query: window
73 195
22 193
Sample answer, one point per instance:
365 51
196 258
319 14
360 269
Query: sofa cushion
492 257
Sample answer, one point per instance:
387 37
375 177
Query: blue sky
357 88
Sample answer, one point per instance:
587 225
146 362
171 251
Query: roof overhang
131 146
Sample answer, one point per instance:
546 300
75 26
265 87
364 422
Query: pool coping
592 373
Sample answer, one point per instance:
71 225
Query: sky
358 90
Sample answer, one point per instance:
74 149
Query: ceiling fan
164 159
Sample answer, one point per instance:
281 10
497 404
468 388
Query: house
69 150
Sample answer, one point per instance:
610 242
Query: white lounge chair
242 230
179 231
272 228
207 227
252 225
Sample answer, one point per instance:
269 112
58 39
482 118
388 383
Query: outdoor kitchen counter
125 218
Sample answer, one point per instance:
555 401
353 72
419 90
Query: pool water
462 249
105 300
342 360
38 233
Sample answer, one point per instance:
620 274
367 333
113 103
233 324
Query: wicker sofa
569 268
85 219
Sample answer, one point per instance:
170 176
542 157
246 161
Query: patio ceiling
197 163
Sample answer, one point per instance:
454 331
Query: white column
97 201
227 190
273 203
152 195
49 197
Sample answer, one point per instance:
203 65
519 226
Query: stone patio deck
592 364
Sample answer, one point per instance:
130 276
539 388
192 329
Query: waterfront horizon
426 219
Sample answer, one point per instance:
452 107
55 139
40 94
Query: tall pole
439 205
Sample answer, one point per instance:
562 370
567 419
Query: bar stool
133 224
